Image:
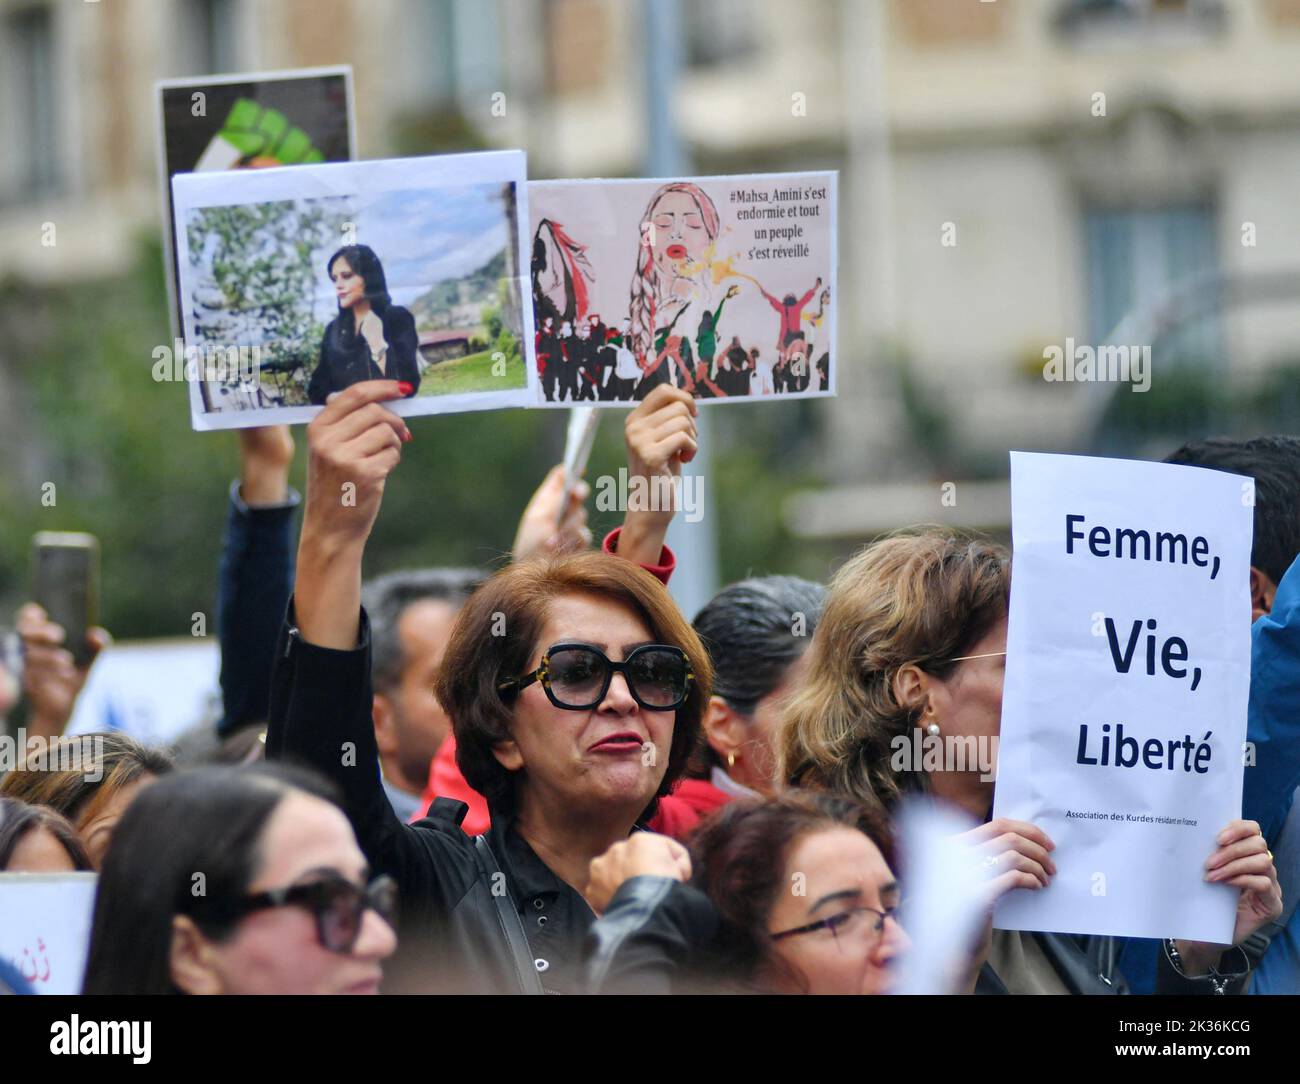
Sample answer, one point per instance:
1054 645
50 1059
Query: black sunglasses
337 904
577 676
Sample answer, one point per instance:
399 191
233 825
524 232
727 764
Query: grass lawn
471 373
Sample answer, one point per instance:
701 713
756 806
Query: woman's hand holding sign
1243 860
355 442
661 436
1016 854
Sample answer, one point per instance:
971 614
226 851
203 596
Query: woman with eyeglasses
238 881
913 638
575 689
791 895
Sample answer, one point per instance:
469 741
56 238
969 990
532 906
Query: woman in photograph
370 338
678 231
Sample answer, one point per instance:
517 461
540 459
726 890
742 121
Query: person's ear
725 729
912 687
384 713
508 755
191 959
1262 591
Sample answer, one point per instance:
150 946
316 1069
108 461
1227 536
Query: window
32 122
719 32
1116 18
1136 257
211 28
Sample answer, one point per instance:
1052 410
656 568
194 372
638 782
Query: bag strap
511 926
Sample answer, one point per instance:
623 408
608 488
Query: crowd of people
584 360
547 779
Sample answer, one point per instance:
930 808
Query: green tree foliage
260 267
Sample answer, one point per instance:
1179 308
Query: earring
932 729
731 760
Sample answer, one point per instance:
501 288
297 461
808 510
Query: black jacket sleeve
256 578
321 717
654 935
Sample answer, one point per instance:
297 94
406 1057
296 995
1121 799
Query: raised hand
355 442
538 531
660 435
51 679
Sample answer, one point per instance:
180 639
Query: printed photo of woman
370 338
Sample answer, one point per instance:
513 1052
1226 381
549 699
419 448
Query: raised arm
256 574
355 443
660 435
321 695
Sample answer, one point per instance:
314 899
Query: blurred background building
1013 174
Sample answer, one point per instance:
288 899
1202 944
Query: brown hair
738 860
922 597
497 632
78 776
17 818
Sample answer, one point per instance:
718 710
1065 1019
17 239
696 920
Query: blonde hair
922 596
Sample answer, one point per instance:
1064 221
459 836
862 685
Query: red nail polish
405 388
407 437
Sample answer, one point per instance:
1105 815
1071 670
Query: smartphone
65 583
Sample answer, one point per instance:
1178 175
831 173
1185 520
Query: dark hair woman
230 880
91 779
36 839
755 632
370 338
575 689
791 895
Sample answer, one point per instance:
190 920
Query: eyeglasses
577 676
846 924
337 904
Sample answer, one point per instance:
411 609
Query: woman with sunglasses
575 690
913 638
238 881
792 895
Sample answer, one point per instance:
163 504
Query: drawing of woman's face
677 233
349 287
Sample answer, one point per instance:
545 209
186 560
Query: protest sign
298 282
1124 705
249 121
724 286
46 929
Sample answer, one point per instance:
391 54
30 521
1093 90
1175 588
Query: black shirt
449 936
345 356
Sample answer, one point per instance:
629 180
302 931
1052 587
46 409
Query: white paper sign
721 286
45 931
297 281
1124 707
